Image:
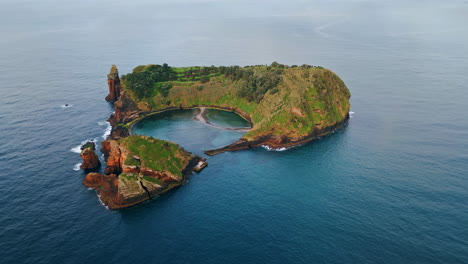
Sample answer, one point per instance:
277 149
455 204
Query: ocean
389 187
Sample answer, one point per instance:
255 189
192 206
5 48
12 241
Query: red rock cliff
111 151
113 81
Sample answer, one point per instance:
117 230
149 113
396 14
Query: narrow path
201 116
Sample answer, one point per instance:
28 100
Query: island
285 106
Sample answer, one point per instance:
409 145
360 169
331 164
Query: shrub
204 79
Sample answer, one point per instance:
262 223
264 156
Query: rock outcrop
113 81
90 159
138 169
111 151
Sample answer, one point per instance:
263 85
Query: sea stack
90 159
113 81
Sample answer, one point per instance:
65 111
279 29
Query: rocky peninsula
285 105
140 168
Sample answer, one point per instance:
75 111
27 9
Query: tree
275 64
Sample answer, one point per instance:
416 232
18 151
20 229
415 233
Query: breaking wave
77 167
103 204
108 130
274 149
77 149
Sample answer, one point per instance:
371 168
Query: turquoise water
179 126
390 187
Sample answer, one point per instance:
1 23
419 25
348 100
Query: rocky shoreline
275 142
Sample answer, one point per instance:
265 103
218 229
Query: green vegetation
155 154
154 180
294 101
257 83
150 80
89 145
141 81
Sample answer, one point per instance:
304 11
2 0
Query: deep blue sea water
390 187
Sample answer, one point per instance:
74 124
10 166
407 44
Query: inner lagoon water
180 127
390 187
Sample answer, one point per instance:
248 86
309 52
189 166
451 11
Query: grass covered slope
156 155
286 105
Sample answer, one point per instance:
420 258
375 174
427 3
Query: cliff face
139 170
125 110
111 151
113 82
90 159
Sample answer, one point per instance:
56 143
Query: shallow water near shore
390 187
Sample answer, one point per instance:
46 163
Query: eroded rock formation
90 159
113 81
111 151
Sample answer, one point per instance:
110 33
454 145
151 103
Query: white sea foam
107 132
351 113
103 204
77 149
274 149
77 167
